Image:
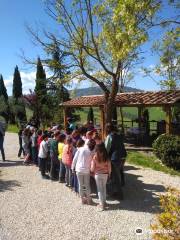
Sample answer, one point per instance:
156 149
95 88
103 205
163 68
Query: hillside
96 91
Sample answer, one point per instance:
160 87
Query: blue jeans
75 184
42 165
34 151
62 171
54 160
68 175
117 179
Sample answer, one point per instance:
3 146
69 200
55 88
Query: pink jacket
100 168
68 154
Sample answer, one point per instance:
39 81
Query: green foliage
17 109
17 84
149 161
167 148
103 37
12 128
169 65
3 90
41 111
168 222
4 108
124 24
40 88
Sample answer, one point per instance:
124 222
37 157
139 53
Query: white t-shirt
82 160
43 150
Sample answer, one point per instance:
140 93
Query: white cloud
8 83
28 82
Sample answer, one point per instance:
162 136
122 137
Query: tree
17 104
4 106
57 82
90 116
102 39
3 90
166 72
169 65
17 84
42 110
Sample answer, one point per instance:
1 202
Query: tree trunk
108 112
122 119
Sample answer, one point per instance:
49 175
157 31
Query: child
43 154
80 143
62 170
101 167
67 158
82 163
89 136
97 139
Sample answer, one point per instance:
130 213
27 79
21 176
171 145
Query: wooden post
168 119
140 110
65 117
102 122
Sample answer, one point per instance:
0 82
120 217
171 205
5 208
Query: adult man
117 153
2 134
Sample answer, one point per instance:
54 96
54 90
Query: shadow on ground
138 195
8 185
11 163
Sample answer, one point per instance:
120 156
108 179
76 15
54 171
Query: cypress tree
90 116
41 110
17 84
3 90
40 88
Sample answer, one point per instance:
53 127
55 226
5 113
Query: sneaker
45 177
101 207
83 200
90 201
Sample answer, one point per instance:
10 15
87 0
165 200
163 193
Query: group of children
71 157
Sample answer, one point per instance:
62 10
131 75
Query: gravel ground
32 208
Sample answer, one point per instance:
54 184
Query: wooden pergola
141 100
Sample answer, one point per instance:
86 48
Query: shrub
168 222
167 149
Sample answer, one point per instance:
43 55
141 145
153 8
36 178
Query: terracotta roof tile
129 99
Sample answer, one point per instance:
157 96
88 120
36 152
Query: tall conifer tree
3 90
40 88
41 110
4 104
17 84
90 116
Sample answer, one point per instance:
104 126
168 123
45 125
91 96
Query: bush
167 149
168 222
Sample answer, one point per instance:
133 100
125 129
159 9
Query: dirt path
32 208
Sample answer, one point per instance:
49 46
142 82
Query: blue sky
14 37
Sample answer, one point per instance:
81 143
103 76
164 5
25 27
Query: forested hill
96 91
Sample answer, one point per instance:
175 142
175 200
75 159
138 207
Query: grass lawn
12 128
152 162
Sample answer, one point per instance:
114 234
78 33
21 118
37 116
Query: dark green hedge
167 149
